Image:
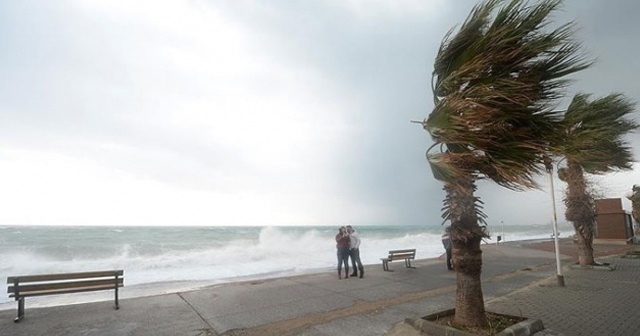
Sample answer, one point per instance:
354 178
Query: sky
196 112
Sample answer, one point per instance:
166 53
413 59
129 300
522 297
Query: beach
320 304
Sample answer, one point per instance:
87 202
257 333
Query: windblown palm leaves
493 84
594 131
592 141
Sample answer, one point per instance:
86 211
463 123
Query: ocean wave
153 255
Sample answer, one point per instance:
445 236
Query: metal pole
555 226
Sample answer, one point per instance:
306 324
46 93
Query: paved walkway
593 302
517 280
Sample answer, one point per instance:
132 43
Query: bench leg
116 289
117 306
385 265
20 310
407 263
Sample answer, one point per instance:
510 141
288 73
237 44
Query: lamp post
549 166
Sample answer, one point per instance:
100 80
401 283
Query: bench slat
65 291
404 256
63 276
402 251
25 289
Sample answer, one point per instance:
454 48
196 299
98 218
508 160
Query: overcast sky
196 112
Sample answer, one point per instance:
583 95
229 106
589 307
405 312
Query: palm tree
493 84
591 141
635 203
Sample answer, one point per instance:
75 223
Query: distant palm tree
591 141
493 82
635 203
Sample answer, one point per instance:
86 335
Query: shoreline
567 248
320 304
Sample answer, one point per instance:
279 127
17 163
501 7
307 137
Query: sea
166 259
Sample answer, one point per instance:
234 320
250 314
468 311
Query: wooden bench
406 255
20 287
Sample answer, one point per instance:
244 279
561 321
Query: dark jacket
446 241
342 241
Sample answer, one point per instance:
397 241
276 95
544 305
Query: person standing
354 251
342 244
446 242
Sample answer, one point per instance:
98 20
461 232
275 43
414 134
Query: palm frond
494 83
460 202
455 50
594 131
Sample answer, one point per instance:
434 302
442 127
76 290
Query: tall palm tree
592 141
635 203
493 84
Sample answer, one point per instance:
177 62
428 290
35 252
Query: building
612 222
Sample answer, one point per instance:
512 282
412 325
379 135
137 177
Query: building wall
609 205
611 226
611 220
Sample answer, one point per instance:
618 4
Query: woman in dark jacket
342 243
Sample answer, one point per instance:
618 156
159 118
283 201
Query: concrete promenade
518 279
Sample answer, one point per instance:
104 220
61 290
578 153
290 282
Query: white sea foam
155 257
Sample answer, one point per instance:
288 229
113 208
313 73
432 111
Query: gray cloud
157 97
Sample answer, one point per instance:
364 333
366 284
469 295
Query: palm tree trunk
580 211
635 208
467 258
585 249
466 236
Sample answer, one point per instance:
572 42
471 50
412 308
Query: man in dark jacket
446 242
